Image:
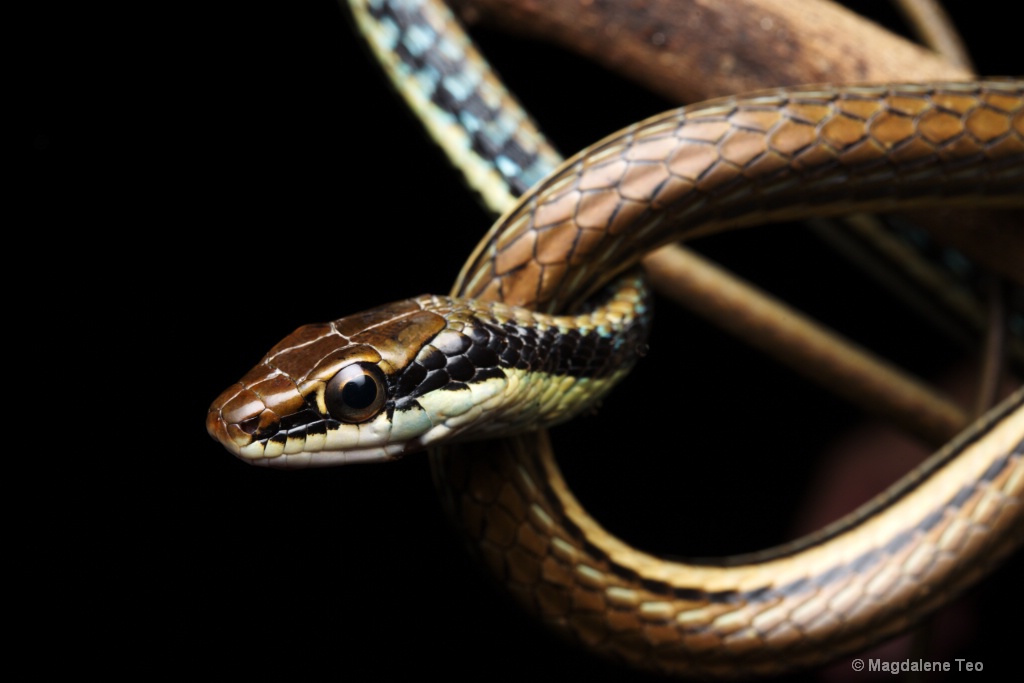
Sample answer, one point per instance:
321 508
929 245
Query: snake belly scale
383 383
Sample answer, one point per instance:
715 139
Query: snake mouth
315 459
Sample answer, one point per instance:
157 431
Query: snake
549 313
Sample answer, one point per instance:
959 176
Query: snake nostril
250 426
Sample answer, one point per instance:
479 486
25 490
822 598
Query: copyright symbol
857 664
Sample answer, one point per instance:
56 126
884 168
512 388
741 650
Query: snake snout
248 415
238 417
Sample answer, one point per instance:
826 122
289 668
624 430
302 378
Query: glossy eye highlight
356 393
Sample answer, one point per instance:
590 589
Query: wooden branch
933 27
802 344
692 50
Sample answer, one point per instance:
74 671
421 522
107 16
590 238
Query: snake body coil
383 383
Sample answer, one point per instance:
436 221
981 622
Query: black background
247 170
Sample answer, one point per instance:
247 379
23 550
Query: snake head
380 384
327 394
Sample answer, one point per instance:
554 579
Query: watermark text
898 666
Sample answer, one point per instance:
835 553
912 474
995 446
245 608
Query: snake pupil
359 392
356 393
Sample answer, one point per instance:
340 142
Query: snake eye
356 393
